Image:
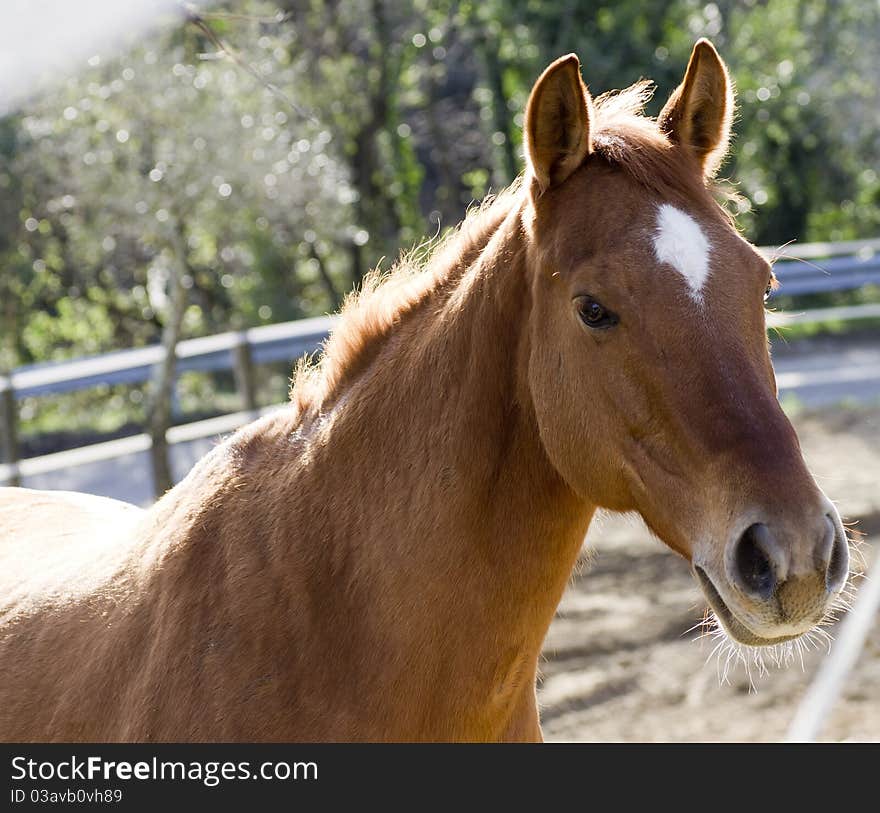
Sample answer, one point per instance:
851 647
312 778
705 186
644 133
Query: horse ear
700 110
557 123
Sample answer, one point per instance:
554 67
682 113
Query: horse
381 559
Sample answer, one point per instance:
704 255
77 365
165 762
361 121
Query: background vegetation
368 124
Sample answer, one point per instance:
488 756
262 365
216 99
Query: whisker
756 660
777 252
748 667
712 653
731 653
699 625
800 651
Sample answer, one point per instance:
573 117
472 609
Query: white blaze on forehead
680 242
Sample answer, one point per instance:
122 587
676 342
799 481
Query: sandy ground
620 665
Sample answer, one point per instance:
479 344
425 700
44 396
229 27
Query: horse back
63 557
57 534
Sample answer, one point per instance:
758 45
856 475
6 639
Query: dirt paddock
620 665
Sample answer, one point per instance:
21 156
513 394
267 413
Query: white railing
851 264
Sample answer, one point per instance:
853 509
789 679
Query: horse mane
622 136
369 314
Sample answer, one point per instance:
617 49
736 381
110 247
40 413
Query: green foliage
77 325
402 114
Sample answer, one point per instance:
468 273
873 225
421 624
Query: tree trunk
165 372
8 431
357 265
335 298
509 168
375 208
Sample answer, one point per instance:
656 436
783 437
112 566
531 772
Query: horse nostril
838 563
755 560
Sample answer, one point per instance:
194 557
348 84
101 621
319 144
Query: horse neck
417 507
431 467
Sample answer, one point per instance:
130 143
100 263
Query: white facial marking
680 242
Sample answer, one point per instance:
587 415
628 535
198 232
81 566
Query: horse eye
593 314
771 286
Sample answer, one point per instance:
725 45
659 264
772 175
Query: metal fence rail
850 265
120 447
797 277
287 341
281 342
814 268
812 251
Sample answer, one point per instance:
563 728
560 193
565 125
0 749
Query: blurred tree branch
195 18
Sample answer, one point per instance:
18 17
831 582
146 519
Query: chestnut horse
382 559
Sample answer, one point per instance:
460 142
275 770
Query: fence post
9 430
243 367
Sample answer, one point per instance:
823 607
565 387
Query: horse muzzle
773 584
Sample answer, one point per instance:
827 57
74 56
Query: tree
387 119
